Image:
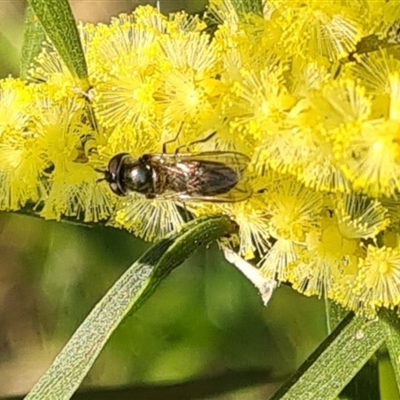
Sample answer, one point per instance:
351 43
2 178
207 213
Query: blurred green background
205 325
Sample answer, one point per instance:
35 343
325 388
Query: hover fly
213 176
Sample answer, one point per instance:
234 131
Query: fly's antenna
104 172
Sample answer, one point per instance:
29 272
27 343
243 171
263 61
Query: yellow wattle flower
286 87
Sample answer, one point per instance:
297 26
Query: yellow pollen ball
264 108
383 267
193 98
377 147
140 95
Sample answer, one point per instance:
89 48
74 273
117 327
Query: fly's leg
164 146
187 146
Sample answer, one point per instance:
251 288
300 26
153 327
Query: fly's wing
219 178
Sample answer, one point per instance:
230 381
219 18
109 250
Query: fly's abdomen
205 178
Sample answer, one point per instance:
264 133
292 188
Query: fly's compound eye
116 189
114 174
115 164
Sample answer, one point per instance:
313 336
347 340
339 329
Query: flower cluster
287 87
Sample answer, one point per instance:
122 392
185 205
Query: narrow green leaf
32 44
391 327
127 294
365 385
387 382
335 362
59 24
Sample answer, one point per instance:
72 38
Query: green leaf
391 327
387 382
365 385
335 362
127 294
34 37
59 24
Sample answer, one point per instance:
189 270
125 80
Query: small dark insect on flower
214 176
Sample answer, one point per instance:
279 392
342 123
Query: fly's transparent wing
215 176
